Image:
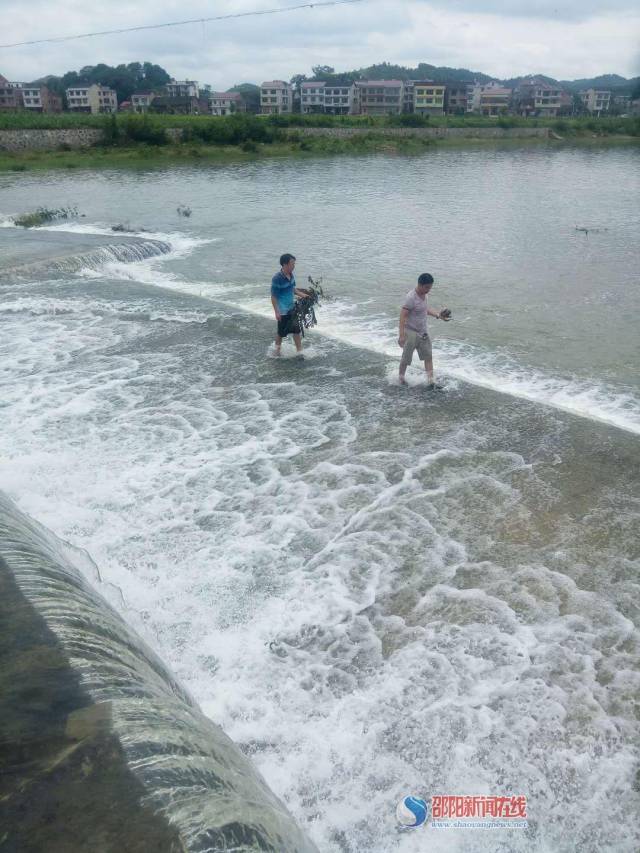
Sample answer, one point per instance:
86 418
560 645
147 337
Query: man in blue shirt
283 291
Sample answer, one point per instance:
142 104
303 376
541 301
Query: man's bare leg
297 339
278 346
428 366
403 370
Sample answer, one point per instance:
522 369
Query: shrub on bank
230 130
150 129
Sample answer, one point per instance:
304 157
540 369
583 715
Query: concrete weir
26 251
100 748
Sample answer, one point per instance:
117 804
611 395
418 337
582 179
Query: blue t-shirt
282 288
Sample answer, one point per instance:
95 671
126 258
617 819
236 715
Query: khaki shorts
415 341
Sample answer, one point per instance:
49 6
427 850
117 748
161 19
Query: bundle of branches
304 307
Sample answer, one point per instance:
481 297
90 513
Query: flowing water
375 590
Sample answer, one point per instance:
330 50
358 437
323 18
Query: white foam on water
592 400
181 244
343 322
319 598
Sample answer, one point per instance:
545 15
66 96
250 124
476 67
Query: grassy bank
265 128
153 156
137 141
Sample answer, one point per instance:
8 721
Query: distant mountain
444 74
439 74
614 82
136 75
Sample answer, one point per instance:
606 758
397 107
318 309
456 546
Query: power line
183 23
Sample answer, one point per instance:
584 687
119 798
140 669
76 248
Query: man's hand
445 314
278 315
402 341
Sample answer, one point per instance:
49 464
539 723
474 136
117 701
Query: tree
125 79
250 94
321 71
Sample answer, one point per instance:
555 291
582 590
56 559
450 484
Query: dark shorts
288 324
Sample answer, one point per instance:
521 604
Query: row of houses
182 97
186 97
18 96
532 97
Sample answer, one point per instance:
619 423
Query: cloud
503 39
550 10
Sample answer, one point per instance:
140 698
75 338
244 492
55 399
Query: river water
377 591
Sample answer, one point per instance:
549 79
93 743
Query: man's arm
299 291
438 314
404 313
274 302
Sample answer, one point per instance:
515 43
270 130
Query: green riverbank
140 155
154 156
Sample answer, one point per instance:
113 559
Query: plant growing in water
43 215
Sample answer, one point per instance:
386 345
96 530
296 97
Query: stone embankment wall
49 140
84 137
429 132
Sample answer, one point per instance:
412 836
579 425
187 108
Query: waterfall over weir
101 749
25 252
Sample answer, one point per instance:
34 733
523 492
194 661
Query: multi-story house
180 105
92 99
104 98
407 97
38 98
428 98
380 97
458 97
312 96
566 103
339 99
621 103
78 99
597 101
225 103
276 97
141 101
491 99
534 97
9 100
182 89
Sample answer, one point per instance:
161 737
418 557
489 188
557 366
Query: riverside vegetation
147 139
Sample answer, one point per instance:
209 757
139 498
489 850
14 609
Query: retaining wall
84 137
429 132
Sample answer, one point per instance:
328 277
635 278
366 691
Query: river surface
377 591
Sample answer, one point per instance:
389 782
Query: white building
141 101
339 100
31 97
182 89
276 97
597 101
380 97
312 96
490 99
535 97
224 103
92 99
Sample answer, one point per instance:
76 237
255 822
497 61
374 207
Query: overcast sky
503 38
